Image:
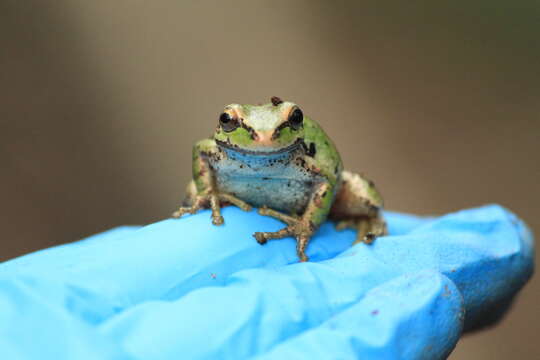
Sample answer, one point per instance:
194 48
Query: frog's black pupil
296 118
224 118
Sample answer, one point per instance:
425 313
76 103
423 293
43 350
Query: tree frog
275 158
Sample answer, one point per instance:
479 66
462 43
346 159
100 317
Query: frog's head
263 129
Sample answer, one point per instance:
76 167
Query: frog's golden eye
228 123
296 119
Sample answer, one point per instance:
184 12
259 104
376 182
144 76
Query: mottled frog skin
273 157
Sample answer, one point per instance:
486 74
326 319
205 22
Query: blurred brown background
101 101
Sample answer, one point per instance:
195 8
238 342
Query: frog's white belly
276 181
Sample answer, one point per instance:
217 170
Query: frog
273 157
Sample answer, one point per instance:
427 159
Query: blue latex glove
185 289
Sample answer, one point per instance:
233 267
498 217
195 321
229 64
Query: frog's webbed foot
214 201
298 228
368 228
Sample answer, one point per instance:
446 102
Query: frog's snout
264 138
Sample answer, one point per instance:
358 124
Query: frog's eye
227 123
296 118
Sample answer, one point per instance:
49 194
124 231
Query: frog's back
323 151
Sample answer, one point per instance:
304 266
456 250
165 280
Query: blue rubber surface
185 289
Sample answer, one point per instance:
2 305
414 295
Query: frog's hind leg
191 194
358 205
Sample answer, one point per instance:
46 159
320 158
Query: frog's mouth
294 146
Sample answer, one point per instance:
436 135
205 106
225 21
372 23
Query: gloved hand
185 289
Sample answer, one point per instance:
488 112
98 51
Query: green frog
277 159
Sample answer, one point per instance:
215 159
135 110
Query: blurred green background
100 102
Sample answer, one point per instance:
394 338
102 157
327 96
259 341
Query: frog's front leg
301 228
202 191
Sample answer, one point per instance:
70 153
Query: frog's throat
294 146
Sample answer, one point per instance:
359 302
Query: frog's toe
182 211
217 220
301 244
261 239
303 258
369 238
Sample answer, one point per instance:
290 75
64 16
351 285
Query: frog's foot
300 229
214 200
368 228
